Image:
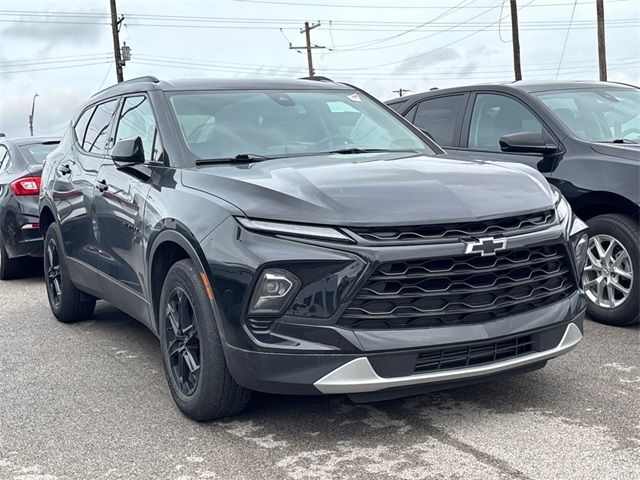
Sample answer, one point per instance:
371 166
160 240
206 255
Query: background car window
397 106
81 125
497 115
37 152
438 116
95 140
4 159
137 120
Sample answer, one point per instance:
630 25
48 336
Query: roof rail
146 78
317 78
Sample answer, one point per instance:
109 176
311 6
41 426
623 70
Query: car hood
629 151
376 189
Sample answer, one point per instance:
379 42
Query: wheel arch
592 204
171 243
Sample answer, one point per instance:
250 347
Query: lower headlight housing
273 292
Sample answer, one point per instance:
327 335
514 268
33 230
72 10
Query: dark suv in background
20 167
296 237
585 139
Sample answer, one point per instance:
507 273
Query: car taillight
26 186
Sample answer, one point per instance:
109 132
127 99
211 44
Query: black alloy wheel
182 341
53 272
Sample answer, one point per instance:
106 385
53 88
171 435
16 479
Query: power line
566 38
387 6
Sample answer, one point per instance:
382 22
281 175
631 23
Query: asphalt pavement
90 401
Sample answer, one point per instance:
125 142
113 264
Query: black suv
297 237
584 137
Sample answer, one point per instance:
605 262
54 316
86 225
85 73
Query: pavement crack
486 458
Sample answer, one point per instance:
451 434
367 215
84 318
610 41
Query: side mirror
526 142
128 152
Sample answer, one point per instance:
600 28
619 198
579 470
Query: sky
63 50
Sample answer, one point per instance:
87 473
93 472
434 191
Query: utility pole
33 107
602 51
116 40
401 91
515 36
307 32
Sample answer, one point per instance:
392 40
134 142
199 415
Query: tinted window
4 158
438 116
95 140
81 125
137 120
497 115
37 152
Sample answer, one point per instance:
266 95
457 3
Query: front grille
478 353
462 289
421 233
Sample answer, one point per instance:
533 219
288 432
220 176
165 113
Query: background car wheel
9 267
67 303
611 275
192 354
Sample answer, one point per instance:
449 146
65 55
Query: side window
81 125
496 115
136 120
397 106
439 116
4 159
95 140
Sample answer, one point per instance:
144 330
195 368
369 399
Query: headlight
562 206
273 291
326 233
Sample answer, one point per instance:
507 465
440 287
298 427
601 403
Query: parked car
297 237
20 168
585 139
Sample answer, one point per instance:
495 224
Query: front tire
192 353
68 304
611 277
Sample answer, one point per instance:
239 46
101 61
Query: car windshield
597 114
226 124
37 152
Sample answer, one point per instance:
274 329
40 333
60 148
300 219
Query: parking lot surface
90 401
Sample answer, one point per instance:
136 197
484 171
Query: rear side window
4 159
439 116
81 125
95 140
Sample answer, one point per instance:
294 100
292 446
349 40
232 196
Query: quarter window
137 120
439 116
95 140
497 115
81 125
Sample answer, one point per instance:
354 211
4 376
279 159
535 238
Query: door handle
64 169
102 185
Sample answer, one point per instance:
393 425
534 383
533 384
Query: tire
9 267
627 232
207 392
68 304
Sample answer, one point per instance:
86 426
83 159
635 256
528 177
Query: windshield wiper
355 150
241 157
622 140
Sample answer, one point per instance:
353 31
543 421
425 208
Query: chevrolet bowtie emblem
486 246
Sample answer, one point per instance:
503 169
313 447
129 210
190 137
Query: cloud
426 60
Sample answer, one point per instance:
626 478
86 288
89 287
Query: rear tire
9 267
192 353
626 232
68 304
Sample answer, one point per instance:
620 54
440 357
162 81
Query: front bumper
391 373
